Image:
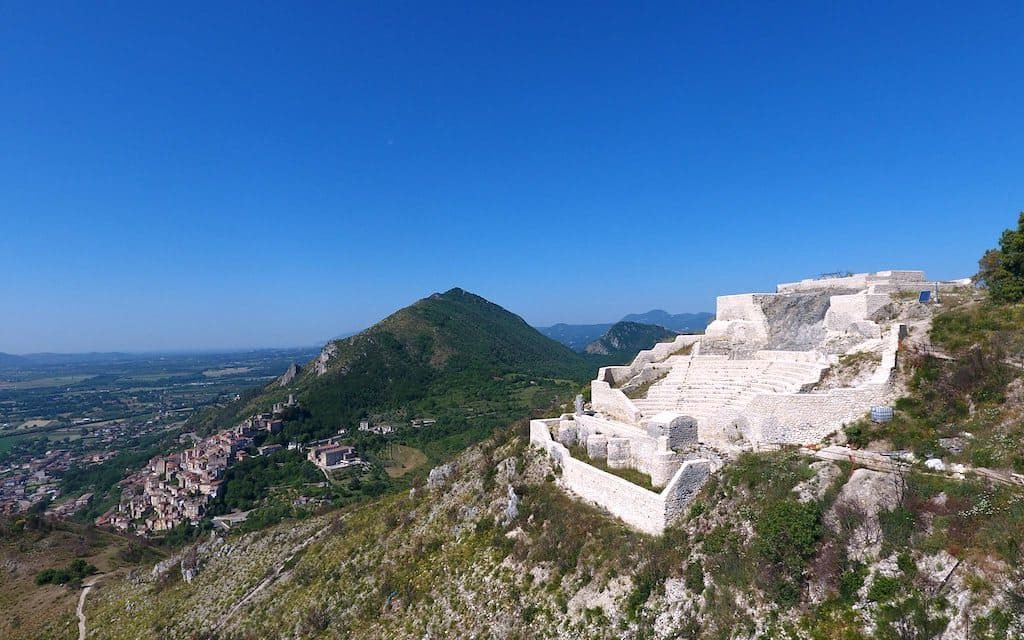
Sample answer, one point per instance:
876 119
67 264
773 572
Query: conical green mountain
451 354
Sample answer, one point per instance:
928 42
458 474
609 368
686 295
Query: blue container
881 414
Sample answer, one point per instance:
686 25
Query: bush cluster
72 574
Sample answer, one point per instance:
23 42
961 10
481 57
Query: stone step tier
702 386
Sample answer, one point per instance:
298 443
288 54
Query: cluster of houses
173 488
379 429
26 485
71 507
176 488
33 480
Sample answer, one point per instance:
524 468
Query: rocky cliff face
290 374
796 322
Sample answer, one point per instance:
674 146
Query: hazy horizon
315 344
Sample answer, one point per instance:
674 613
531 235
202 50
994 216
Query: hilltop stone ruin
679 410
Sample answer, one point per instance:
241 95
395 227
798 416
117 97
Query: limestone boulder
855 511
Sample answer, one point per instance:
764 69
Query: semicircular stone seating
705 386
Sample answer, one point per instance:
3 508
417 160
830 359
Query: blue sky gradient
186 176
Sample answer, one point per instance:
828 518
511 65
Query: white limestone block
597 446
618 451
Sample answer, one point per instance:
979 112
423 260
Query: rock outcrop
289 375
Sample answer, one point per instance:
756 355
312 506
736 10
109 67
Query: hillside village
176 488
34 482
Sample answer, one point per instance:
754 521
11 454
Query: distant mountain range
578 336
575 336
681 322
8 360
625 339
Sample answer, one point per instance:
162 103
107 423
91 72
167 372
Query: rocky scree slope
777 545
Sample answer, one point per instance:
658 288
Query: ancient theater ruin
772 369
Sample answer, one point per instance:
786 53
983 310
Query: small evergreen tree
1002 269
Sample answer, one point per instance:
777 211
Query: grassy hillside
30 545
777 546
966 390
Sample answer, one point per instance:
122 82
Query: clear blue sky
177 175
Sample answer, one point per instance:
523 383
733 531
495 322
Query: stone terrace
749 382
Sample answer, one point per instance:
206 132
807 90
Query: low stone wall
684 487
662 350
904 279
650 373
613 402
645 510
894 276
614 376
883 373
855 281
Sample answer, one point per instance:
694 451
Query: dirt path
278 572
888 464
80 611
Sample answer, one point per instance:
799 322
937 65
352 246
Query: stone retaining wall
806 418
612 402
638 507
856 281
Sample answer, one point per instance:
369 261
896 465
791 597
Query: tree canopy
1002 269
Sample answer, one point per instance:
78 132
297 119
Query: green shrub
857 434
883 589
695 577
73 574
851 581
1002 269
787 532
